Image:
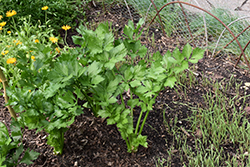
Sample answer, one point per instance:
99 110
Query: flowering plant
97 73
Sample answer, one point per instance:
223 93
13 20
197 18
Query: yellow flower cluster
66 27
4 52
11 61
45 8
53 39
17 42
36 41
11 13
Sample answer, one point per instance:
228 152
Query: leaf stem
5 84
138 123
143 123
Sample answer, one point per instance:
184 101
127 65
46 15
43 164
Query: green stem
138 123
65 38
127 143
131 97
144 120
14 24
45 20
5 84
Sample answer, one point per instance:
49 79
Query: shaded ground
90 142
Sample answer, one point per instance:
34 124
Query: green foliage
47 92
50 104
60 12
10 147
117 73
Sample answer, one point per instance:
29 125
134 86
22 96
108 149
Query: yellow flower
10 13
29 90
14 41
1 28
11 60
33 58
36 41
0 80
45 8
4 52
53 39
66 27
8 32
2 24
18 42
1 17
57 50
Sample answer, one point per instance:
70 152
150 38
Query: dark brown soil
91 142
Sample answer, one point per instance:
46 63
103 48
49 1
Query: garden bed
169 127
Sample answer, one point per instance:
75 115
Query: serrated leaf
182 67
157 88
124 114
141 89
108 42
2 159
128 31
112 100
148 84
142 51
29 156
32 112
197 55
128 74
95 44
97 79
111 121
113 84
133 102
94 68
143 106
135 83
187 50
52 89
117 54
102 30
131 24
60 123
104 113
78 40
157 56
18 152
177 55
149 94
142 140
168 60
170 82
